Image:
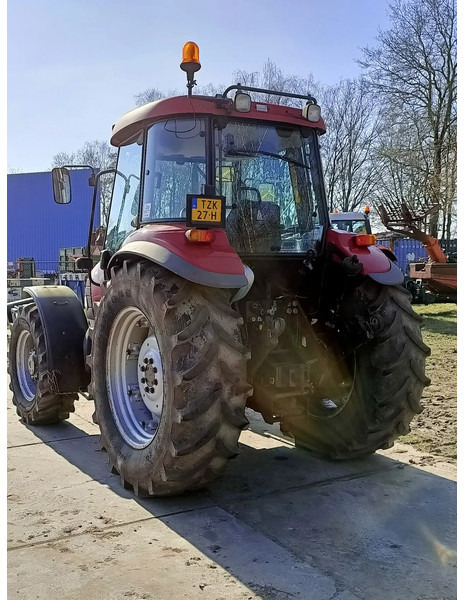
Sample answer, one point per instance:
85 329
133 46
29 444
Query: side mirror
61 185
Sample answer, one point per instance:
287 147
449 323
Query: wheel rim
134 378
27 366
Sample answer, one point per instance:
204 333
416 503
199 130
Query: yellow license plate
207 210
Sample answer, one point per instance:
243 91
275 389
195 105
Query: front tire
168 379
388 379
32 383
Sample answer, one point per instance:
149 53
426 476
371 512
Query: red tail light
365 240
200 235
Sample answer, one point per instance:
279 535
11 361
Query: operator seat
254 227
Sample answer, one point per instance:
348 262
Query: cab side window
175 166
126 195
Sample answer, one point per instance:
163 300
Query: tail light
365 240
200 235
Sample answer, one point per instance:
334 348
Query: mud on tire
204 379
388 383
32 384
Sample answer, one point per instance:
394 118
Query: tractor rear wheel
168 379
382 393
31 382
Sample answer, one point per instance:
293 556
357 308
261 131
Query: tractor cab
247 168
354 222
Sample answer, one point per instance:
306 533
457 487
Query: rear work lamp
312 112
242 102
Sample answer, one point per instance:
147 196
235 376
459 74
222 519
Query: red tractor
221 285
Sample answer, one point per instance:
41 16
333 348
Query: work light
242 102
312 112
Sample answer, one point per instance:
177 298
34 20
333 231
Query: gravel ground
434 431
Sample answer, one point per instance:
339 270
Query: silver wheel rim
134 377
27 366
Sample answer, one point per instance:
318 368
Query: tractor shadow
281 518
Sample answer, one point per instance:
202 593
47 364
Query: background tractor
221 285
354 222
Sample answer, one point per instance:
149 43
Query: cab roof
130 124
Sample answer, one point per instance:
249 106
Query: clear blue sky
74 66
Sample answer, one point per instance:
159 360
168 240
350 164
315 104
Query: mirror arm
92 178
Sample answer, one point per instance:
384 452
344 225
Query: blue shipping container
37 226
408 251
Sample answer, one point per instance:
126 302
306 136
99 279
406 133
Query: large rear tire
32 383
388 379
168 379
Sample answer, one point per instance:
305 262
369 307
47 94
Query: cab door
125 200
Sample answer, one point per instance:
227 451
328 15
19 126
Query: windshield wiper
239 152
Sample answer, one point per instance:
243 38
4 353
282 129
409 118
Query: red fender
374 261
214 263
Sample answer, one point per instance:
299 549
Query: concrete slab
150 561
65 487
280 525
388 534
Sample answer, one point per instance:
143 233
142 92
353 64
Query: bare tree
273 78
97 154
151 94
413 70
350 145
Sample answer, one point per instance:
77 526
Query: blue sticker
194 202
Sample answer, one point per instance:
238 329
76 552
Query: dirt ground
434 431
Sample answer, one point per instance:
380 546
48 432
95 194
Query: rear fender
64 325
388 252
376 264
214 264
